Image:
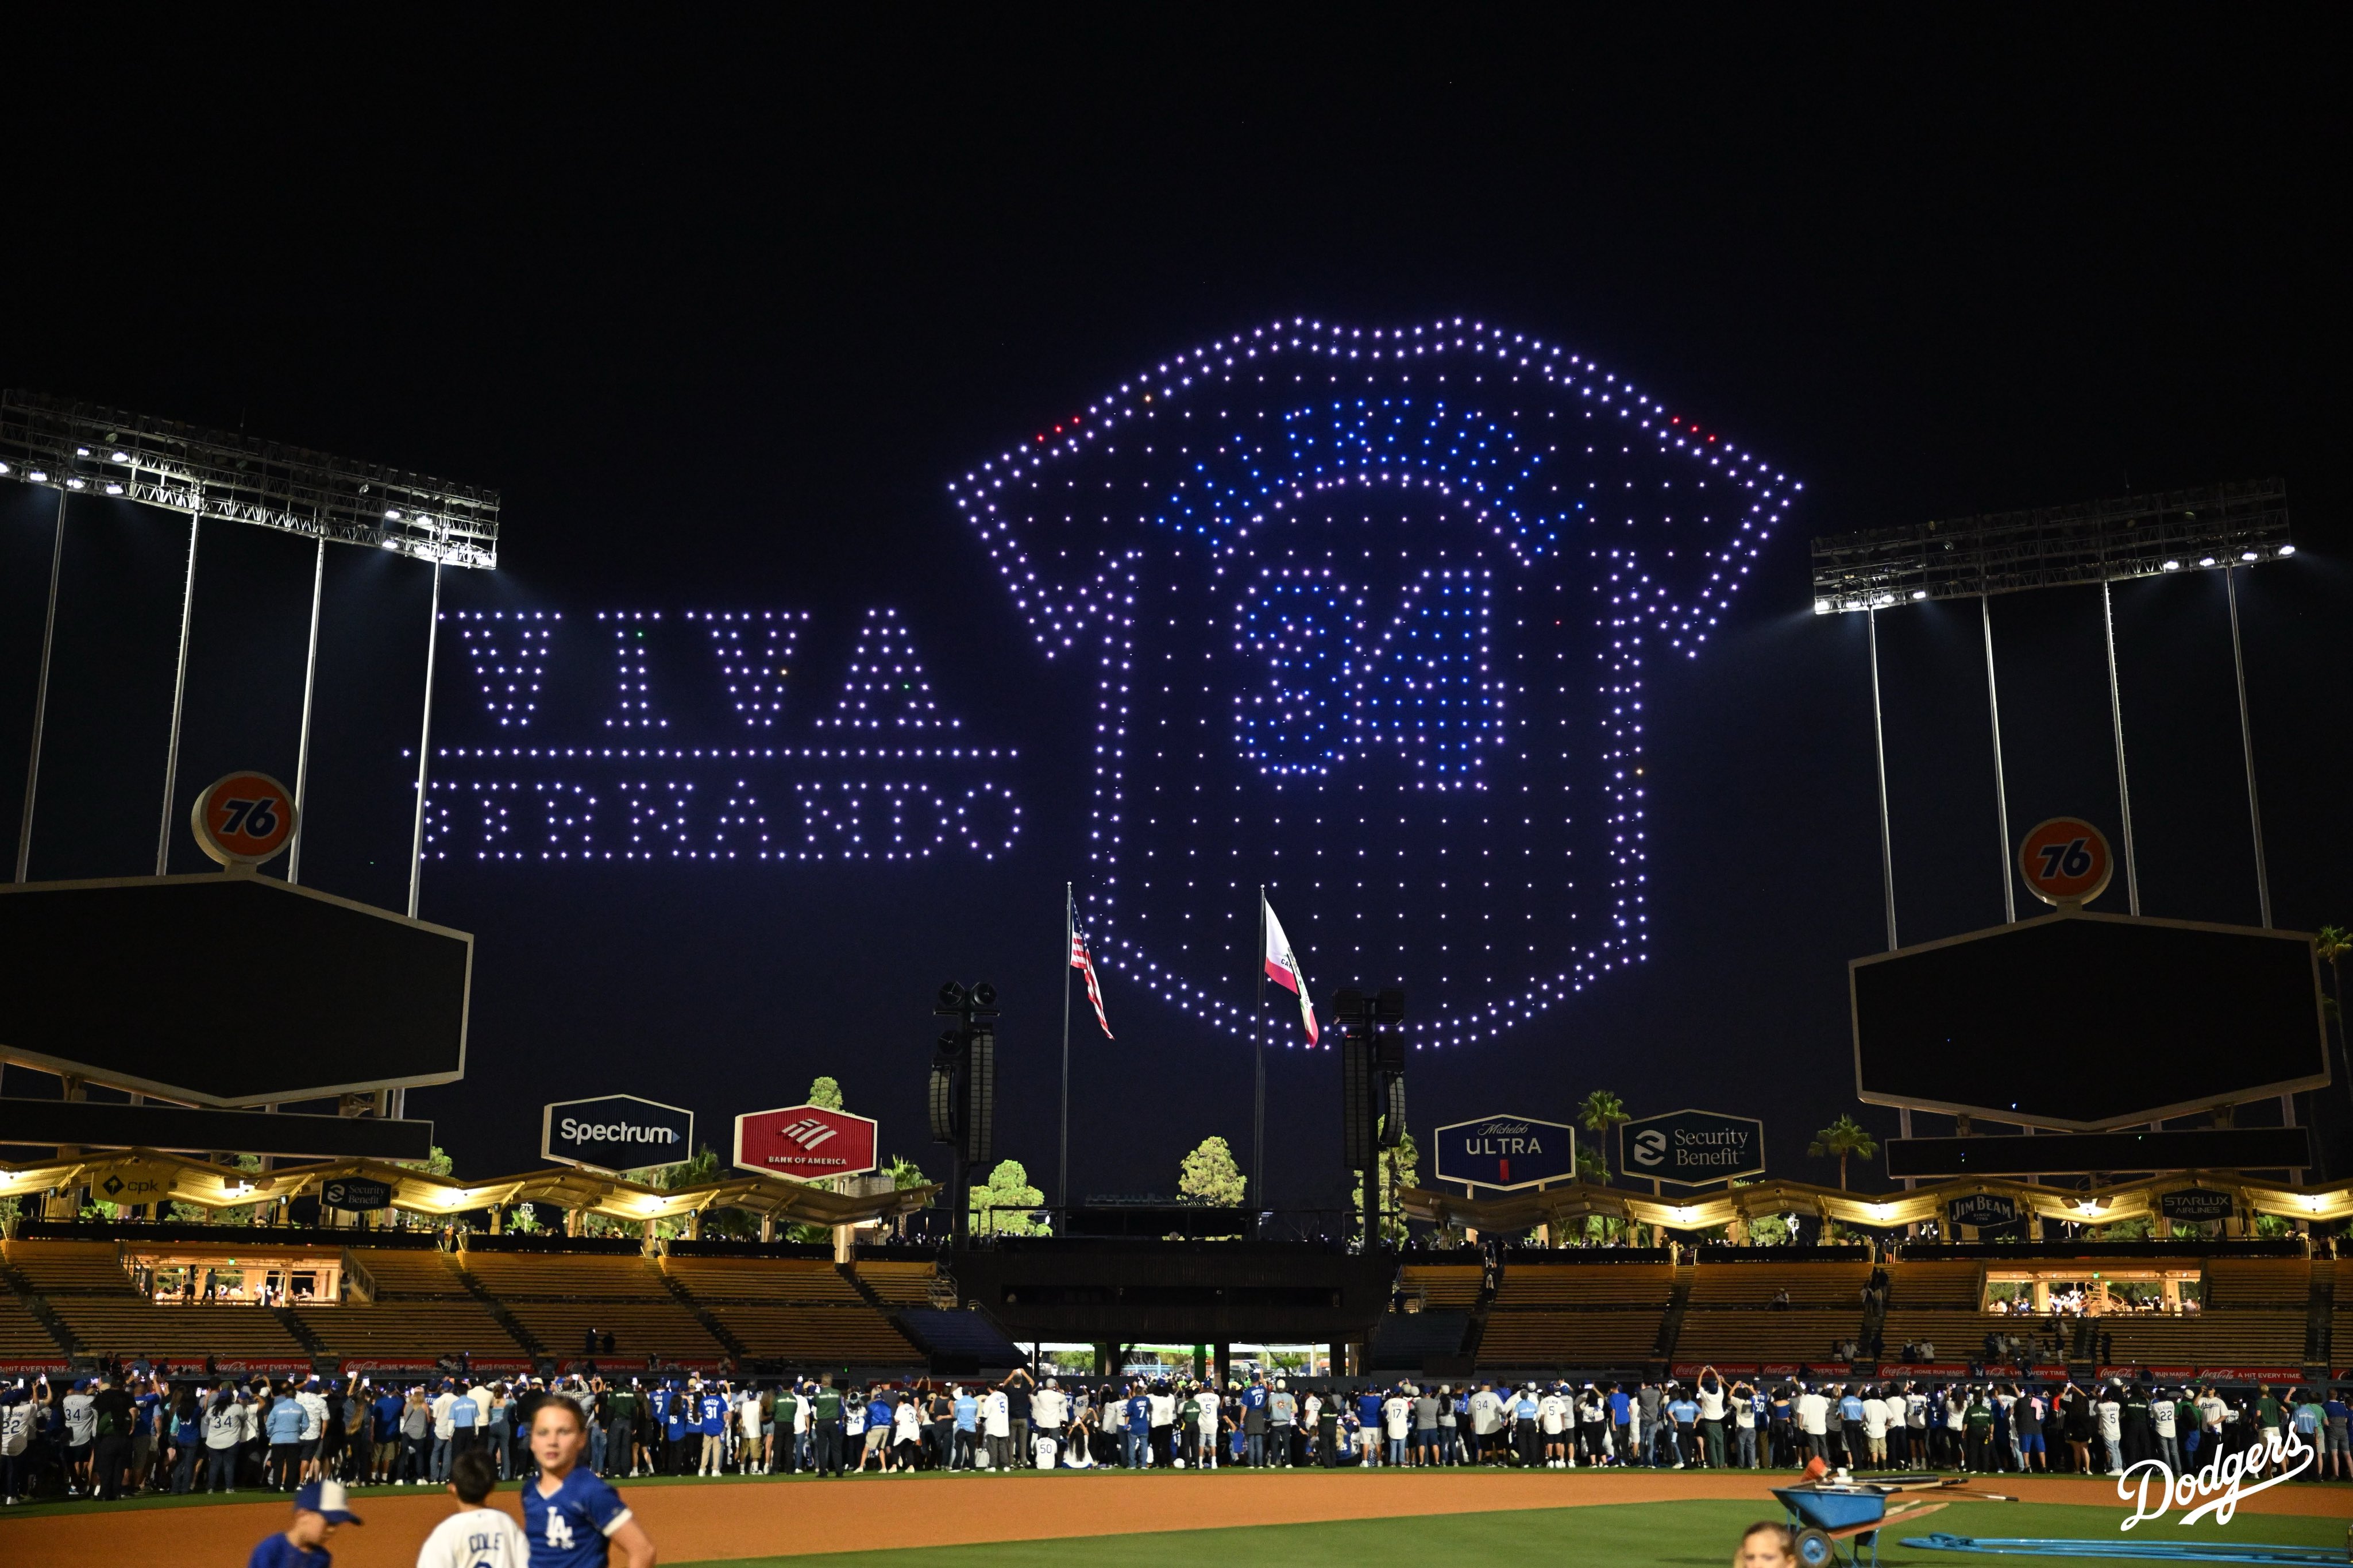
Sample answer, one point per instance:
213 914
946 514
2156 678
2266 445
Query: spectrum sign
1506 1152
806 1142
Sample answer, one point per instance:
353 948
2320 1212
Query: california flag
1283 967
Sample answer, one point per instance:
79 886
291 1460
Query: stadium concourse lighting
2051 547
233 477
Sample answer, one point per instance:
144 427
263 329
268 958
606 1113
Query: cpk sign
1692 1148
618 1132
806 1142
1507 1152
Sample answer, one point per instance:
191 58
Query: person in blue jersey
710 1421
572 1518
321 1508
675 1439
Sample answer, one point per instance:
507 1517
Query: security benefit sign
355 1194
618 1132
806 1142
1507 1152
1692 1148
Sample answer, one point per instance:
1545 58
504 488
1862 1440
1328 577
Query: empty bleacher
1452 1286
407 1306
561 1298
1733 1317
84 1284
23 1338
1597 1315
2340 1322
897 1282
1941 1304
802 1309
2256 1313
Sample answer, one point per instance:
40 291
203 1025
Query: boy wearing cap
319 1509
475 1536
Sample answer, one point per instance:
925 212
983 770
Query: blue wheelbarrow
1824 1513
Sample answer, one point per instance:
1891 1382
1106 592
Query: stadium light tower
83 448
2224 527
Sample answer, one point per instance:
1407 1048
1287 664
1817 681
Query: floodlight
236 479
1389 1006
77 483
951 995
2112 541
4 469
2287 550
113 489
984 995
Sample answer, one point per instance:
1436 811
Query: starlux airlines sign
1506 1152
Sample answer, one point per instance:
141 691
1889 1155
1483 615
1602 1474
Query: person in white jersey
475 1536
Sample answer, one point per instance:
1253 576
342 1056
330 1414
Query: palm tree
1598 1114
1841 1138
2332 945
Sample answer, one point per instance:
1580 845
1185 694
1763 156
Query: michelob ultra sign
1692 1148
1507 1152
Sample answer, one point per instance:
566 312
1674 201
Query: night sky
723 313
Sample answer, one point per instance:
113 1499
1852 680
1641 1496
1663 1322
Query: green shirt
621 1405
1979 1418
2267 1411
829 1404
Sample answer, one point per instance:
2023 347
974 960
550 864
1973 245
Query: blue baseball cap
327 1498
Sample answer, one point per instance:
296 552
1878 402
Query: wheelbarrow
1824 1513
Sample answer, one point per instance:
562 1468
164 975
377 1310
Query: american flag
1086 967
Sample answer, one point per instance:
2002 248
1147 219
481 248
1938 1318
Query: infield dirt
717 1520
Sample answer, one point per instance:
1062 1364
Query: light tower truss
2211 528
94 450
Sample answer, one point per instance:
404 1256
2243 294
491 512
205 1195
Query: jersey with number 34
568 1528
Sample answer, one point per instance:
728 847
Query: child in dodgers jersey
570 1518
476 1535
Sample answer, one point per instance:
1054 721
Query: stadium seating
762 1279
1449 1285
1731 1316
1596 1315
899 1283
561 1298
409 1331
85 1285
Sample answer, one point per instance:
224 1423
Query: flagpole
1070 931
1258 1062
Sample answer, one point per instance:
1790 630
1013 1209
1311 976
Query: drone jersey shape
1368 611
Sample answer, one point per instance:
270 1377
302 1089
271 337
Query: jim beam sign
1692 1148
1506 1152
1983 1211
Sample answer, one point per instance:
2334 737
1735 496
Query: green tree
905 1173
1210 1174
1598 1113
1002 1205
1839 1141
437 1162
827 1092
1400 1167
524 1220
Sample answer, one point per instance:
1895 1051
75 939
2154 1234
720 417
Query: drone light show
701 757
1368 611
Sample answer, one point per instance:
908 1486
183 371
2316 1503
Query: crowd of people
126 1433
